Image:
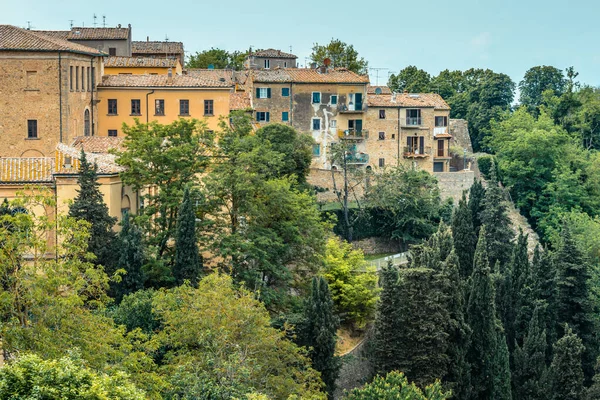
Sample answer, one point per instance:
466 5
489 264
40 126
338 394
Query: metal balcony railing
416 151
412 122
352 108
353 134
357 158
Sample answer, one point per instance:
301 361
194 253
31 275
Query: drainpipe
291 105
398 160
60 97
148 94
92 90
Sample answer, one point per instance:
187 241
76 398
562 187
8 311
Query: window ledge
209 115
159 115
135 115
112 115
32 90
32 138
183 115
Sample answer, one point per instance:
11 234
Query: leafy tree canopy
218 58
341 55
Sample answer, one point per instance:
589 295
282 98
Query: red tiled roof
272 53
383 90
57 34
18 39
239 101
98 144
80 33
141 47
407 100
221 75
135 62
162 81
309 75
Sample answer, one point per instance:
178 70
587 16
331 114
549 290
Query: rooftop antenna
377 74
104 21
28 25
95 18
71 23
290 49
166 38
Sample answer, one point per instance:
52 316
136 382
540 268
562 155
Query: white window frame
333 123
267 64
263 93
313 124
312 96
334 96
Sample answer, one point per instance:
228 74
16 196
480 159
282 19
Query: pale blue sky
507 36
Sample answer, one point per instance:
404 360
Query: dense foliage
342 55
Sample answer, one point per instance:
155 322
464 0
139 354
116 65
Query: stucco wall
452 184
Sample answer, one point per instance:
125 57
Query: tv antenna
71 23
95 18
290 49
29 25
377 74
104 21
166 38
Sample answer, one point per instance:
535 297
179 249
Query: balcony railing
442 153
353 134
352 108
410 122
416 152
357 158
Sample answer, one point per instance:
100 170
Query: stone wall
323 179
376 245
452 184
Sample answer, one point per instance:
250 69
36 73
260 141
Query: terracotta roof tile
81 33
308 75
105 162
408 100
239 101
163 81
58 34
17 39
273 53
147 47
98 144
135 62
383 90
212 74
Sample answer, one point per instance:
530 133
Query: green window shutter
284 116
421 145
268 93
258 93
267 114
257 116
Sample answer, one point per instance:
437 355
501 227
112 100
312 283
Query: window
381 162
184 107
136 108
393 136
381 135
334 99
316 124
112 51
333 123
93 77
316 150
89 79
441 121
263 93
32 132
262 116
316 97
267 64
209 106
285 64
112 132
112 106
86 123
285 116
31 83
413 117
83 79
76 78
438 166
159 107
285 92
71 78
381 114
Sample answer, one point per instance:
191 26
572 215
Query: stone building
408 128
141 66
112 41
270 59
48 91
329 104
152 49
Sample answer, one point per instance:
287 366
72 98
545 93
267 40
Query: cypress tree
544 294
187 259
464 236
501 367
524 303
4 208
319 333
386 327
566 373
530 362
131 259
494 216
476 195
593 392
481 316
574 306
89 205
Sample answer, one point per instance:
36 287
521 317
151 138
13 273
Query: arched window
86 126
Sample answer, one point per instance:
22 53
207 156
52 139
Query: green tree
89 206
411 80
30 377
536 81
188 264
501 368
342 55
353 283
465 239
395 386
530 362
476 196
135 311
218 58
220 345
131 259
319 333
593 392
566 374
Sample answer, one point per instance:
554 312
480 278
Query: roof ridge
52 40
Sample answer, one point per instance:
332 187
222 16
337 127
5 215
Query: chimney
147 38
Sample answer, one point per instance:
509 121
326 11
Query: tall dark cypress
386 327
494 215
465 239
319 333
188 264
544 294
593 392
530 362
574 306
131 259
524 302
89 205
481 316
476 195
566 374
501 367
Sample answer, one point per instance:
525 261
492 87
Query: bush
485 164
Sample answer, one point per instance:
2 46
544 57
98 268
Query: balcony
353 134
416 152
411 122
441 153
441 132
352 108
357 158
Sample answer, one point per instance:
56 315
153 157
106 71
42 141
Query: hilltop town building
270 59
168 50
112 41
141 66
